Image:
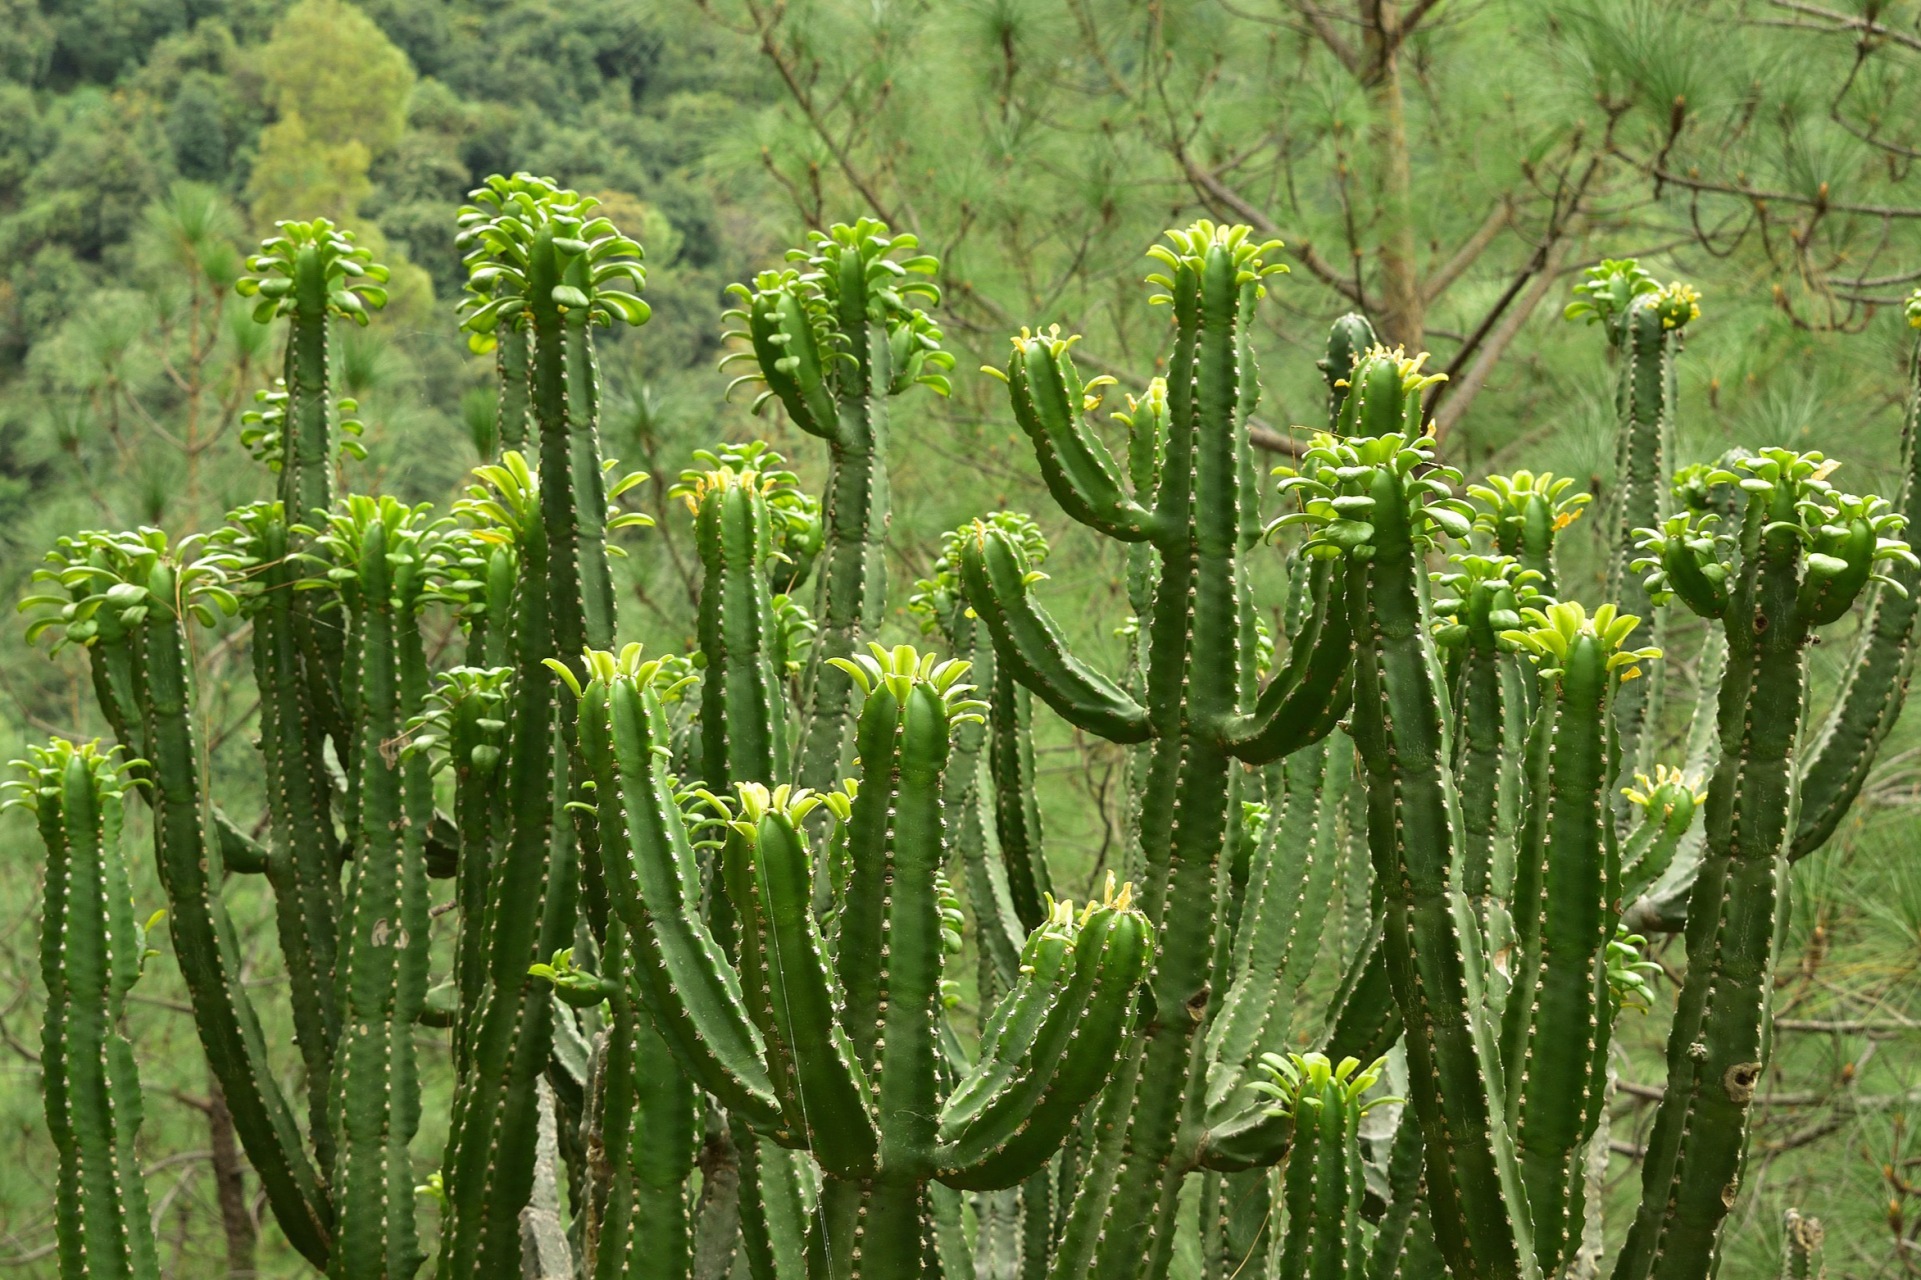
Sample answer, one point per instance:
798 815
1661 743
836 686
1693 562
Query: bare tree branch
1464 257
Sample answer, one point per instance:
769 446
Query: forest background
1447 166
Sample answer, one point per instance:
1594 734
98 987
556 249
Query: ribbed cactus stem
310 273
488 1167
834 342
1558 1017
1322 1187
384 558
1874 684
1801 1250
150 589
1803 554
91 952
303 864
1644 321
1362 496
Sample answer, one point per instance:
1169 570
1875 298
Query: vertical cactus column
1490 696
488 1168
1644 321
91 952
1874 686
1801 557
1373 495
834 341
541 260
743 738
384 558
1194 711
310 273
303 862
1322 1189
134 593
1556 1026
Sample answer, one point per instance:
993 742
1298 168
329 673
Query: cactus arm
1348 339
906 1109
743 731
512 1027
654 883
381 979
203 940
513 366
1288 894
1564 1013
829 1103
90 955
1013 1130
1875 684
654 1154
1714 1049
1017 812
1432 952
1087 1218
1302 704
1404 1196
303 864
1048 401
1046 965
1801 1251
1030 644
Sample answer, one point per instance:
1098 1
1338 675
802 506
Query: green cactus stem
1522 516
1481 600
312 273
1193 699
1363 496
1323 1185
1801 1250
384 558
1802 555
91 953
466 719
531 896
1566 903
303 863
834 340
842 1057
1668 803
138 594
1875 686
1000 837
737 513
1348 339
1644 322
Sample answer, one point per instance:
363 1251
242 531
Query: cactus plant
840 1055
1566 904
834 340
91 953
687 941
1803 553
1644 321
1875 686
1190 501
